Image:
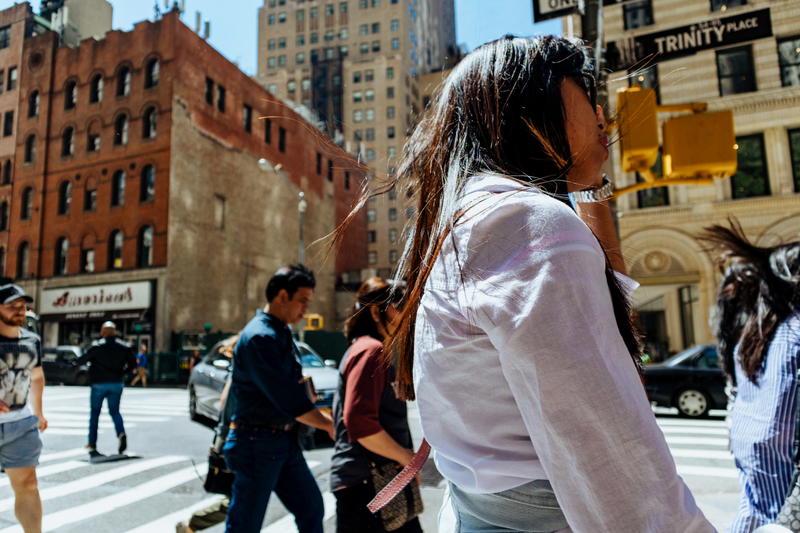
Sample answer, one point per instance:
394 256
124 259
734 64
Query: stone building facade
357 64
157 185
742 55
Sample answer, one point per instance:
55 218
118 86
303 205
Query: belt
272 427
16 406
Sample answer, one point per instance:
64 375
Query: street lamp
301 210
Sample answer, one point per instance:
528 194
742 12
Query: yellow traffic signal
638 128
700 145
314 322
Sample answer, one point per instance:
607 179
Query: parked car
692 381
209 375
60 365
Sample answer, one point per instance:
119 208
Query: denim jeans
529 508
265 461
112 392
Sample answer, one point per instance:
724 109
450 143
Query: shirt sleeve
536 279
272 374
364 385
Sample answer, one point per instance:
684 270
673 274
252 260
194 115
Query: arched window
64 197
96 89
68 142
118 189
115 241
144 256
87 254
70 94
148 185
8 169
23 260
151 73
30 149
33 104
2 261
123 81
26 204
3 216
90 195
61 254
149 123
121 130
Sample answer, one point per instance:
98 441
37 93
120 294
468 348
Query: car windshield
310 360
683 357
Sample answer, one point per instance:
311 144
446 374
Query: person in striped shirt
758 331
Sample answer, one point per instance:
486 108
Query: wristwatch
601 193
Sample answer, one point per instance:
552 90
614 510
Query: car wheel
82 379
193 415
692 403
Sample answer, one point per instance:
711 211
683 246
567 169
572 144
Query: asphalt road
151 493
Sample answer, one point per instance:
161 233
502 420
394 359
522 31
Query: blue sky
234 23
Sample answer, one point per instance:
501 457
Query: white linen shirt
521 373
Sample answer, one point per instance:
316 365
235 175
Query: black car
692 381
59 364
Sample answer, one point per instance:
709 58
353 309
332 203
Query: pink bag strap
401 480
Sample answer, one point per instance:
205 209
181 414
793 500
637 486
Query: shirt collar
494 183
272 320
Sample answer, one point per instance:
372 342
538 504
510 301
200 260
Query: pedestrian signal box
638 128
314 322
700 144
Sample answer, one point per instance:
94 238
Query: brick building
149 189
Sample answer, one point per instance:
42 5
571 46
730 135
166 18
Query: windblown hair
375 292
499 111
760 288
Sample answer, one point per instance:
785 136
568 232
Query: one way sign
551 9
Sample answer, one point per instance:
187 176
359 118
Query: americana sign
98 299
686 40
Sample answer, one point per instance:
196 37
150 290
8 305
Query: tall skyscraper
356 63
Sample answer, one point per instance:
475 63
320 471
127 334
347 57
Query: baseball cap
10 292
108 324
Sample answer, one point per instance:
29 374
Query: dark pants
352 515
112 392
264 461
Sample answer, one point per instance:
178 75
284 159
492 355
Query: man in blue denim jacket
269 397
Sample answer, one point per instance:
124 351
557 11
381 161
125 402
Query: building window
121 130
90 198
92 142
358 115
301 40
392 236
5 36
369 115
751 178
282 42
794 149
7 172
282 17
300 58
372 257
87 260
267 130
390 111
247 118
329 36
392 214
356 97
363 48
2 261
96 89
395 44
209 91
305 85
735 70
372 236
282 139
389 73
369 75
395 25
390 92
346 180
219 211
151 73
362 4
23 260
330 170
33 104
147 187
369 95
144 256
68 142
370 155
291 87
369 134
8 123
344 34
270 19
319 163
221 97
70 94
392 257
118 189
61 255
30 149
123 81
723 5
390 132
282 60
149 123
372 215
313 39
12 79
27 204
655 197
115 241
637 14
64 197
357 77
3 216
342 7
273 88
789 59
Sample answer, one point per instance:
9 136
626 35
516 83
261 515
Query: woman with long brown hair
370 423
516 326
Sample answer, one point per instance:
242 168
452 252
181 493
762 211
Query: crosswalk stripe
136 467
54 521
123 410
66 431
167 523
46 457
49 470
697 441
696 431
82 424
701 454
691 470
287 523
85 418
691 423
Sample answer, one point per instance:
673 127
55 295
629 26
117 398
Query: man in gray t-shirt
21 419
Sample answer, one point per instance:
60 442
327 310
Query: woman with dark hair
758 331
371 425
525 359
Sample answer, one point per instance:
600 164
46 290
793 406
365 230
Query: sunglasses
586 82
